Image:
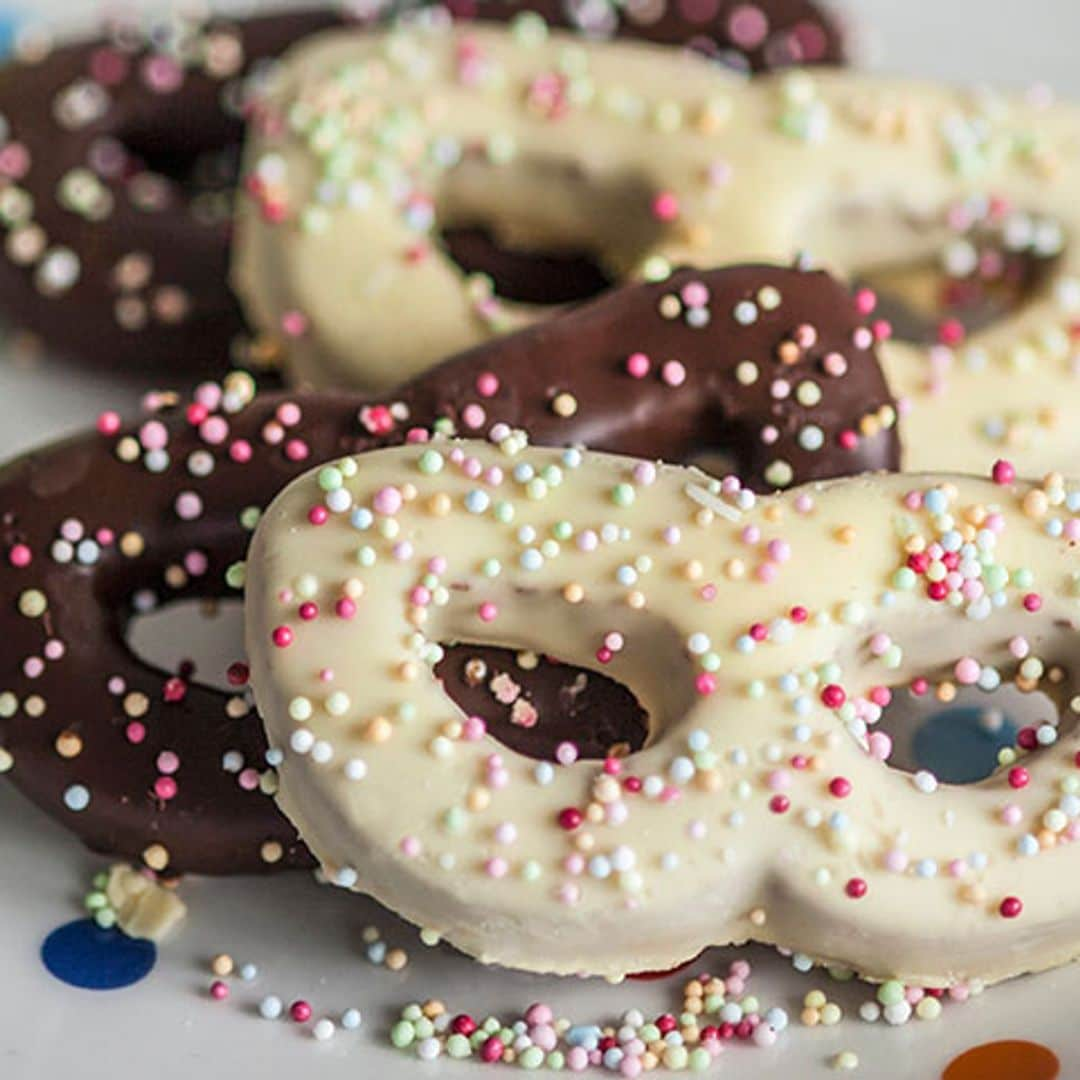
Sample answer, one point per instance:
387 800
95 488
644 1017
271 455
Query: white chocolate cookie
371 143
764 637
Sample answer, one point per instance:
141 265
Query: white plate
306 940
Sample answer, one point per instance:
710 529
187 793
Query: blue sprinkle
84 955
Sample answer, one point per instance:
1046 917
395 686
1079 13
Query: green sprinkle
32 603
402 1034
623 495
249 518
330 478
531 1058
105 918
431 462
891 992
458 1047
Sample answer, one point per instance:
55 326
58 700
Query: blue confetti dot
82 954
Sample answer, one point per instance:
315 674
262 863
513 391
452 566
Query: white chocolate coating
761 806
833 163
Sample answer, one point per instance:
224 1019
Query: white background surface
305 939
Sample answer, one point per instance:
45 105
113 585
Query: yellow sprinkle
156 856
132 545
478 799
68 744
573 593
222 965
735 569
378 729
845 534
271 852
564 405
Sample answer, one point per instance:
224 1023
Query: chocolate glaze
175 312
213 824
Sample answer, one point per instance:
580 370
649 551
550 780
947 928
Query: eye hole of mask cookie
196 640
969 722
539 231
961 740
640 686
952 271
530 703
204 165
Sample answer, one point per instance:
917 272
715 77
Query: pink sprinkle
318 515
779 780
387 501
308 611
747 26
487 384
665 206
208 394
896 861
240 451
248 779
218 990
496 867
135 732
488 612
108 423
297 450
20 556
294 324
637 365
705 683
539 1014
153 435
767 572
695 294
1032 602
282 637
566 753
168 762
779 550
967 671
165 788
196 563
473 729
214 430
1003 472
410 847
188 506
673 373
835 365
865 301
345 608
473 416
